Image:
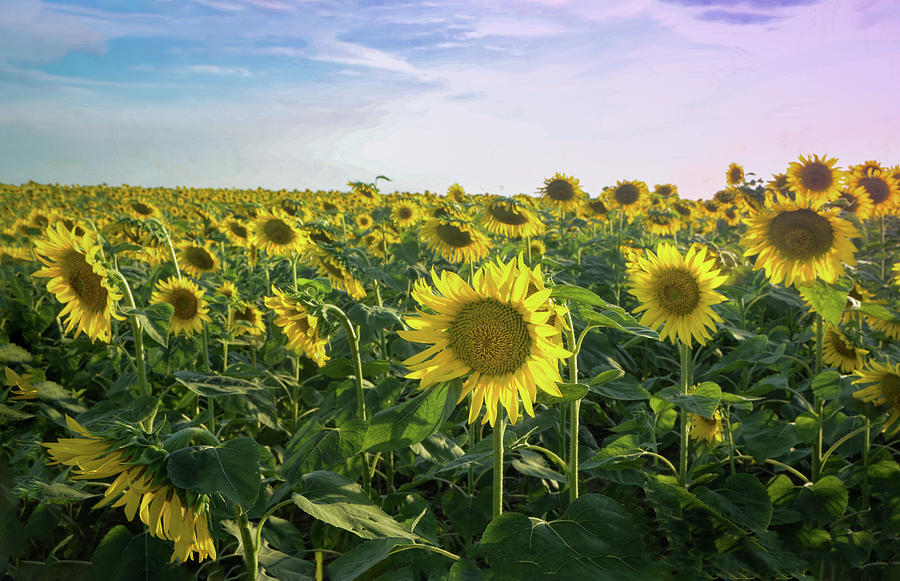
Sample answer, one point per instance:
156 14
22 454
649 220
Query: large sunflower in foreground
562 192
79 281
815 179
796 242
629 196
839 352
275 233
188 301
884 388
495 332
455 240
677 292
507 217
300 327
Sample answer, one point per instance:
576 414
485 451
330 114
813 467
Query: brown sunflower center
185 303
664 190
801 234
237 230
506 214
453 236
677 291
277 232
890 387
404 213
852 202
560 190
490 337
724 196
842 347
626 194
877 188
245 314
86 283
199 258
329 207
816 177
735 175
320 237
142 208
363 221
598 207
681 209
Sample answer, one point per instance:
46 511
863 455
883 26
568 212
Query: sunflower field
307 385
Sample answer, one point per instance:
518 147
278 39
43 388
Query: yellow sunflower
896 269
665 190
677 292
247 318
735 174
595 208
493 331
196 259
880 186
228 290
858 203
236 231
630 196
188 300
884 388
815 179
562 191
275 233
797 243
684 209
507 217
363 220
839 352
300 327
709 430
662 223
335 268
889 328
142 209
731 214
79 281
13 254
456 193
405 213
455 240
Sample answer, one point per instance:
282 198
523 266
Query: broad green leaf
766 435
335 500
352 564
122 556
827 385
154 320
214 384
569 391
316 447
614 320
744 500
231 470
285 567
826 299
623 452
583 296
8 414
532 464
606 376
750 351
413 420
703 400
625 388
467 513
824 501
876 311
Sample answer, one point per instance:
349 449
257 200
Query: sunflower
508 218
364 192
196 259
797 243
405 213
538 248
562 191
879 186
735 174
884 388
896 269
142 209
456 193
21 385
363 220
274 232
838 352
665 190
79 281
247 318
707 430
236 231
228 290
815 179
13 254
335 268
493 331
189 303
889 328
684 209
456 240
595 208
630 196
858 203
731 214
300 327
676 292
377 242
662 223
864 167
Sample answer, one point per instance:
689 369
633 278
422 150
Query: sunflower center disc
560 190
817 177
238 230
86 283
877 189
677 292
627 194
598 207
801 234
453 236
506 215
404 213
245 314
490 337
842 347
185 304
142 209
890 387
278 232
199 258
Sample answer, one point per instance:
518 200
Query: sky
497 96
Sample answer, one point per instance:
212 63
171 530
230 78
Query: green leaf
352 564
532 464
122 556
623 452
335 500
569 391
625 388
214 384
285 567
610 315
154 320
467 513
824 501
231 470
744 500
413 420
750 351
316 447
766 436
8 414
583 296
375 317
703 401
876 311
606 376
826 299
827 385
63 493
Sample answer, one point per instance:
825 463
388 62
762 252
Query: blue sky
494 95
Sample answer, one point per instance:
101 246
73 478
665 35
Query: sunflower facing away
189 303
79 281
839 352
676 292
797 243
456 240
300 327
735 174
707 430
196 259
275 233
508 218
495 332
884 388
815 179
562 191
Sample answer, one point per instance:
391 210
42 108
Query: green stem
139 363
499 429
224 356
730 438
550 454
687 372
662 458
169 244
790 469
574 411
865 485
819 404
265 517
841 441
250 548
294 269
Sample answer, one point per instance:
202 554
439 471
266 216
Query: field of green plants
307 385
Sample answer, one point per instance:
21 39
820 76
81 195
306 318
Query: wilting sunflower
188 300
455 240
797 243
707 430
21 385
493 331
562 192
880 187
405 213
79 281
274 232
734 175
630 196
884 388
336 269
364 192
456 193
247 319
815 179
300 327
507 217
196 259
676 292
858 203
839 352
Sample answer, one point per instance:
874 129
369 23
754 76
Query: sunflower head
246 318
840 352
562 191
815 179
629 196
456 240
197 259
299 325
334 265
883 382
456 193
506 217
276 234
187 299
665 190
882 189
734 175
405 213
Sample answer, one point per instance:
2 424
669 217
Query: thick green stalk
250 549
499 430
574 411
687 378
819 403
139 363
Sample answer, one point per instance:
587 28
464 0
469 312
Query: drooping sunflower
709 430
188 301
456 193
734 175
455 240
839 352
494 332
79 281
880 187
796 242
275 233
562 192
815 179
247 319
300 327
143 209
677 292
884 388
629 196
506 217
197 259
333 265
891 329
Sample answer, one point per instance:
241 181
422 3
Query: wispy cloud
729 17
